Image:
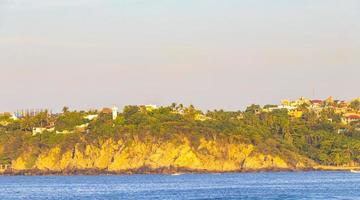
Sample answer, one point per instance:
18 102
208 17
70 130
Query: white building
91 117
114 112
150 107
37 130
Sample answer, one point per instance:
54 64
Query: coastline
335 168
96 172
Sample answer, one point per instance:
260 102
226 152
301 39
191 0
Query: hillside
145 139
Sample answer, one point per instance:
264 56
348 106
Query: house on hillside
295 104
110 111
350 118
64 132
40 130
316 103
150 107
106 111
201 117
91 117
82 127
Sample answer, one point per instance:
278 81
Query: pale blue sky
211 53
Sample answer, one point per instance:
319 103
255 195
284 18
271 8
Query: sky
213 54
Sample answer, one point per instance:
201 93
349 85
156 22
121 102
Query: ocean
265 185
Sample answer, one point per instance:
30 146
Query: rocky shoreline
120 157
164 171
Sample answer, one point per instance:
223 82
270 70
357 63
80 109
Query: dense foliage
319 136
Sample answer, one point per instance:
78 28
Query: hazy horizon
213 54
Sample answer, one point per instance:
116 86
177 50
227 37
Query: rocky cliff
151 155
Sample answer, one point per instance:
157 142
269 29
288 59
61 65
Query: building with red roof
351 118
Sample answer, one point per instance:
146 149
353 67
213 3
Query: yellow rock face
261 161
19 164
1 149
49 161
120 156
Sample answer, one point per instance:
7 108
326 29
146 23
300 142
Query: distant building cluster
30 112
25 113
349 111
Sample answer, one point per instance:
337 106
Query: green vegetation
319 136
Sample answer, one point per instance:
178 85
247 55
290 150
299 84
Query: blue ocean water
277 185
